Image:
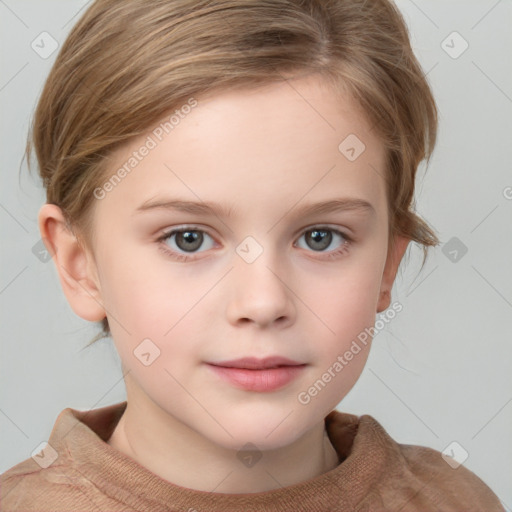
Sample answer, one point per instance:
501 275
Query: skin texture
263 153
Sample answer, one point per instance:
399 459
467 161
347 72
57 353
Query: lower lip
258 380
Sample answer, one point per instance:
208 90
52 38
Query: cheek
346 305
137 293
156 303
346 301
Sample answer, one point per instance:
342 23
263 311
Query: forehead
267 147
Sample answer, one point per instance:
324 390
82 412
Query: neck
189 460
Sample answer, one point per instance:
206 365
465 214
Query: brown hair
127 62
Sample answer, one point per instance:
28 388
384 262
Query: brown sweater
376 474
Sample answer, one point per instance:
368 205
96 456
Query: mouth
254 363
258 380
250 374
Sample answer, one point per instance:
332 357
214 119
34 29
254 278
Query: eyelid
184 257
173 254
197 227
342 230
167 233
184 227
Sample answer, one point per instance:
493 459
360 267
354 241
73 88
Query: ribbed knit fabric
376 474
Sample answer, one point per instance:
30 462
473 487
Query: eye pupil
192 240
319 236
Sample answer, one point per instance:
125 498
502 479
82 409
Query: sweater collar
364 449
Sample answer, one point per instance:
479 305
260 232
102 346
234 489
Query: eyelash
344 248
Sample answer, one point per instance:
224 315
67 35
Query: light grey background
439 372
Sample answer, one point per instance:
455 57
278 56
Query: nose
260 294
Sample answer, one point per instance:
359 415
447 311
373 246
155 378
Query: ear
75 265
388 277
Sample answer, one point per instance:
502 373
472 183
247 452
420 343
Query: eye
320 238
186 239
181 242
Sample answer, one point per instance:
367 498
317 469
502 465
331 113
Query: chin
269 435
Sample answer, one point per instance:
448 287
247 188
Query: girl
280 140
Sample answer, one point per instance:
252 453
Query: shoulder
61 476
60 487
29 487
23 485
444 475
431 479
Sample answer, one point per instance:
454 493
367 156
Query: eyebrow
213 209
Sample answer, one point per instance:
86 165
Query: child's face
262 155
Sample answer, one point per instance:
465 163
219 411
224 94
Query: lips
254 363
258 375
257 380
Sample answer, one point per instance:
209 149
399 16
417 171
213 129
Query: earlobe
75 266
390 270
